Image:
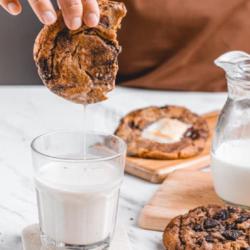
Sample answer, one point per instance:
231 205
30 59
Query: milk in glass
77 204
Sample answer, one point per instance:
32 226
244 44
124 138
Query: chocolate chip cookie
81 65
209 228
168 132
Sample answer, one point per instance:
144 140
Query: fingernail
48 17
76 23
13 8
92 19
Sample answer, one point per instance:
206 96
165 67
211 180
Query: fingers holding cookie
76 11
44 10
91 13
72 11
12 6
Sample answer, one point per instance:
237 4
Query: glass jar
231 144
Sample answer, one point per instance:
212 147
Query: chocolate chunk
232 234
165 107
231 226
197 228
132 125
104 21
232 209
210 223
63 35
192 133
222 215
209 238
199 242
242 218
44 68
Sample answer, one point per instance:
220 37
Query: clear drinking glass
231 144
77 180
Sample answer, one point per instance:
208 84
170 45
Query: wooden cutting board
156 170
181 191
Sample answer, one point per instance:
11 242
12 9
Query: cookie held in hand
81 65
165 133
209 228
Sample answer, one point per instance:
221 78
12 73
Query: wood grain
157 170
181 191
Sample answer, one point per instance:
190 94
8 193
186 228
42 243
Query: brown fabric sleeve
172 44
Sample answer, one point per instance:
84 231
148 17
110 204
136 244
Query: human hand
74 11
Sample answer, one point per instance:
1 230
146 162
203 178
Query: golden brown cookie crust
209 228
191 144
81 65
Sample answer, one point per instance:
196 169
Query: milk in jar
231 171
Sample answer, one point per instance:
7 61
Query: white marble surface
26 112
31 239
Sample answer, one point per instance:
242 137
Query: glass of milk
231 144
77 179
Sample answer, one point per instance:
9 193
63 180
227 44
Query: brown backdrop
171 44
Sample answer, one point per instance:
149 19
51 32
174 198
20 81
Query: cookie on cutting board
165 133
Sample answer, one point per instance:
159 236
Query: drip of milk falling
85 127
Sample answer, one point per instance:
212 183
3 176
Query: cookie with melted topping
81 65
165 133
209 228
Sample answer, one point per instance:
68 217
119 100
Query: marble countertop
26 112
